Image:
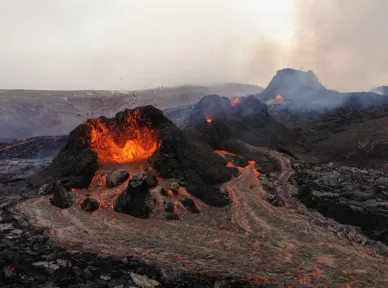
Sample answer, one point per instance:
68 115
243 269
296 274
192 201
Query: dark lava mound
140 134
217 120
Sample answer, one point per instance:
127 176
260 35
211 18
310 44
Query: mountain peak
295 80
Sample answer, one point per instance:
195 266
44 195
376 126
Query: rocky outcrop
237 160
193 161
135 200
264 163
248 121
349 195
174 187
73 168
116 178
61 198
190 205
90 205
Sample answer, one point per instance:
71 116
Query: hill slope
28 113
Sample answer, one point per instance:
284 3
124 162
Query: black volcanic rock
61 198
75 168
151 179
349 195
177 155
264 163
235 171
90 205
190 205
237 160
170 212
134 200
116 178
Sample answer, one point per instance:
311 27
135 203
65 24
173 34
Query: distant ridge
382 90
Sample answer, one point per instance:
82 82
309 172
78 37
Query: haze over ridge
132 45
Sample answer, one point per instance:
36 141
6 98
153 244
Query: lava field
134 201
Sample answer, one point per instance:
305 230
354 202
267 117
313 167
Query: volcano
142 135
291 83
247 120
302 90
133 139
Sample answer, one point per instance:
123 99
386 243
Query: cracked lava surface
251 239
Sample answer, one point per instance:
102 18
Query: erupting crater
138 136
132 139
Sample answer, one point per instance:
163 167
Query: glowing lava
127 142
235 101
208 120
279 97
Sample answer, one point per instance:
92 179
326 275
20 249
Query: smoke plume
128 44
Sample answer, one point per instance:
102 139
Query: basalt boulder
135 200
116 178
61 198
90 205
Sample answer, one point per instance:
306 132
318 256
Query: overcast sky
135 44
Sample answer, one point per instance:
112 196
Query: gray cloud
130 44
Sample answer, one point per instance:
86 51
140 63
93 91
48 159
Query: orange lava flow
223 152
230 164
130 143
208 120
279 97
251 166
235 101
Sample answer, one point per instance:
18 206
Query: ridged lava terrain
238 198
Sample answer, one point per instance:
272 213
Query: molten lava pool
128 142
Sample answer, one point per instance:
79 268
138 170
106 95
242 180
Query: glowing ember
208 120
279 97
235 101
128 143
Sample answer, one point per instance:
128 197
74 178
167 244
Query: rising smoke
140 44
